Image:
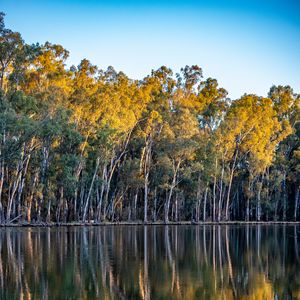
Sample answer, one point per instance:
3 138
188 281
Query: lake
151 262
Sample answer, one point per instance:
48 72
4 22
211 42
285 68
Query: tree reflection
150 262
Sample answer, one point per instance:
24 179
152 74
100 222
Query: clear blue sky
247 45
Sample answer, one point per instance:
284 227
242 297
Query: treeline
82 144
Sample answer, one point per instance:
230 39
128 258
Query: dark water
153 262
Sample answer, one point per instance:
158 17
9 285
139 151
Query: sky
248 46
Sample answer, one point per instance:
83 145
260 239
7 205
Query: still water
150 262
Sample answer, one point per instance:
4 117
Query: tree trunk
296 202
230 184
198 198
204 206
221 194
90 190
29 201
176 207
135 204
155 205
214 191
1 188
258 208
48 218
60 203
248 201
173 184
284 198
146 160
146 198
167 205
113 164
22 183
12 196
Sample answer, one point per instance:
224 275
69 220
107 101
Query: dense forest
92 145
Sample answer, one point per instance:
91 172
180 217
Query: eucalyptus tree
251 132
11 47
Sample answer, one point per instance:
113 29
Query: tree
11 46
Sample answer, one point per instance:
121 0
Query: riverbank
93 224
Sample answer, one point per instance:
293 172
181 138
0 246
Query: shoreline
137 223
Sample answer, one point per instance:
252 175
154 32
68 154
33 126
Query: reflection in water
150 262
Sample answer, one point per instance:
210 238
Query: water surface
150 262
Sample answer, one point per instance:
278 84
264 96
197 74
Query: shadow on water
151 262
